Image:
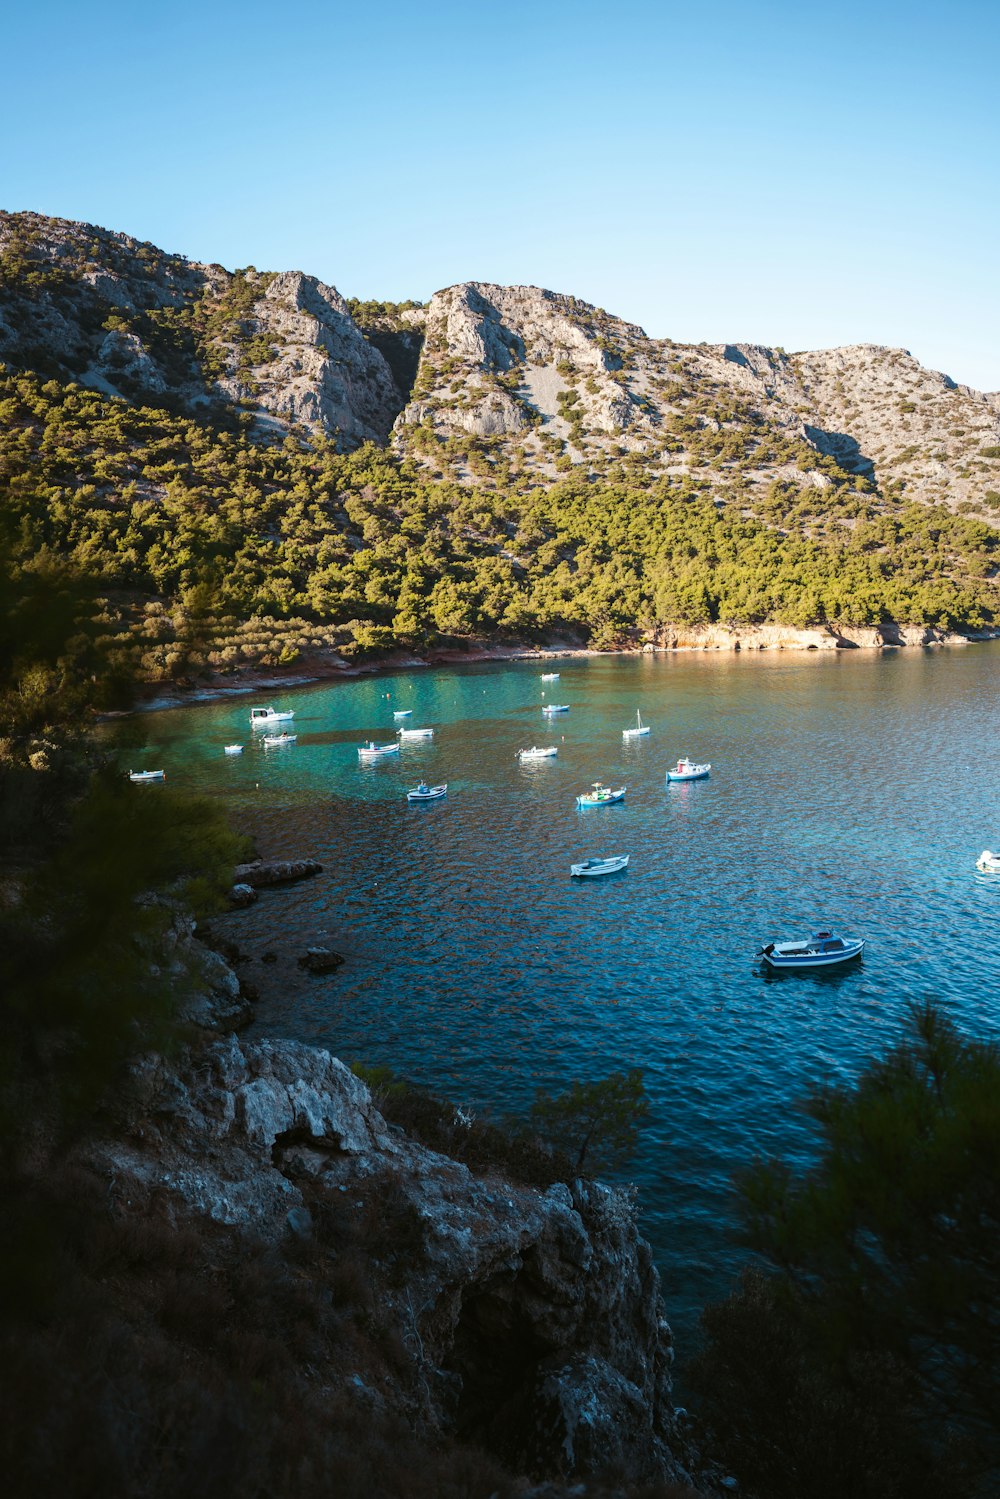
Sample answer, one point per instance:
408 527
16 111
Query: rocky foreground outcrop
531 1318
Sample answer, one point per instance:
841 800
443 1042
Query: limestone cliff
529 1317
123 317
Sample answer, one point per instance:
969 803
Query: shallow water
851 789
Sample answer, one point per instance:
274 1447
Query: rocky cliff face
531 1319
80 303
551 384
487 384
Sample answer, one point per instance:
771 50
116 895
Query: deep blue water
848 789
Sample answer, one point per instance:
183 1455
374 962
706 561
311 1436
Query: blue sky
792 174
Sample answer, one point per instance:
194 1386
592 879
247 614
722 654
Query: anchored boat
688 770
373 751
556 708
262 718
423 793
234 749
545 752
401 712
415 733
550 676
639 730
821 950
988 862
275 741
593 868
147 775
601 796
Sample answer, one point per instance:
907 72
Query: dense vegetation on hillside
217 548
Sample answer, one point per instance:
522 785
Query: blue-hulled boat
821 950
424 793
688 770
601 796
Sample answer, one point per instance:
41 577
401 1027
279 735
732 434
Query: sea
849 790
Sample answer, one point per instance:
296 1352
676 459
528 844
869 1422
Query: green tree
599 1118
887 1253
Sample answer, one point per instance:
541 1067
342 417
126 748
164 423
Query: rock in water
276 871
242 895
320 960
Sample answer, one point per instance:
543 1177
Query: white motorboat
424 793
593 868
263 718
639 730
402 712
556 708
275 741
821 950
601 796
539 752
147 775
234 749
988 862
373 751
688 770
550 676
415 733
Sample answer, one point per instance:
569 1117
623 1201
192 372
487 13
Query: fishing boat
262 718
147 775
556 708
593 868
275 741
550 676
988 862
373 751
601 796
639 730
402 712
687 770
536 752
821 950
423 793
415 733
234 749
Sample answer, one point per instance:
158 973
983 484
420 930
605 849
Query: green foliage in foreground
600 1119
193 529
85 953
882 1327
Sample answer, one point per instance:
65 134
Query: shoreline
160 696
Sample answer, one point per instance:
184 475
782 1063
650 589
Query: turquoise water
854 790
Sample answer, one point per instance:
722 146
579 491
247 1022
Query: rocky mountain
553 384
82 304
487 384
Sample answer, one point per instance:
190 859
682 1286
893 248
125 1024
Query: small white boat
639 730
423 793
988 862
373 751
687 770
550 676
593 868
536 752
147 775
821 950
402 712
415 733
275 741
262 718
556 708
234 749
601 796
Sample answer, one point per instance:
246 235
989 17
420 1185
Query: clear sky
786 173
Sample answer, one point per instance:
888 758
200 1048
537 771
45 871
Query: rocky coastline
329 666
525 1315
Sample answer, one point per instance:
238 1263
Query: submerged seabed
853 790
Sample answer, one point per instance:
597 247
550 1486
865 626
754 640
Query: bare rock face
533 1318
130 320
